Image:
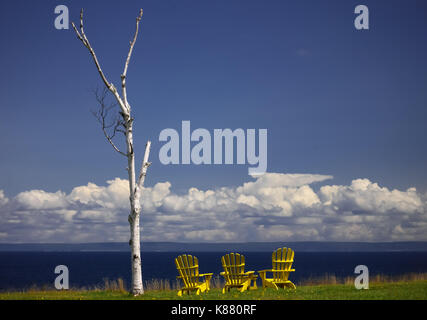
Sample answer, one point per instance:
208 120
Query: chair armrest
265 270
251 275
263 273
200 275
271 270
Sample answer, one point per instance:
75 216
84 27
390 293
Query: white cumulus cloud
271 207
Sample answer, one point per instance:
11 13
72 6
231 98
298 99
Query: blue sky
337 102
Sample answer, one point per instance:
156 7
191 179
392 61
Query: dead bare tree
123 123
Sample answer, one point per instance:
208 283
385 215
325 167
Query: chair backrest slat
234 268
282 260
188 269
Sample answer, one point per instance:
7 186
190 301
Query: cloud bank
271 207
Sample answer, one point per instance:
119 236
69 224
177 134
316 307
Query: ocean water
19 270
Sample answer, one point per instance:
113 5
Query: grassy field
404 288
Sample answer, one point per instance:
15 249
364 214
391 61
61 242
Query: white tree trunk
135 210
137 286
134 217
135 187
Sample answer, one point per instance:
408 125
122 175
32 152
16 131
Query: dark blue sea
20 270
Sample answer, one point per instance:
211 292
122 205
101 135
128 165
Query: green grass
396 290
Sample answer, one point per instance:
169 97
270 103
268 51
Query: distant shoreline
303 246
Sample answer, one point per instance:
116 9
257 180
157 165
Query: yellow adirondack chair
282 263
235 275
188 268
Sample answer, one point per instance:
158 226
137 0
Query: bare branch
82 37
102 115
132 43
145 165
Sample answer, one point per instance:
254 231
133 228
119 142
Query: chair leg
270 284
245 285
254 285
262 276
264 284
208 282
290 285
203 287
